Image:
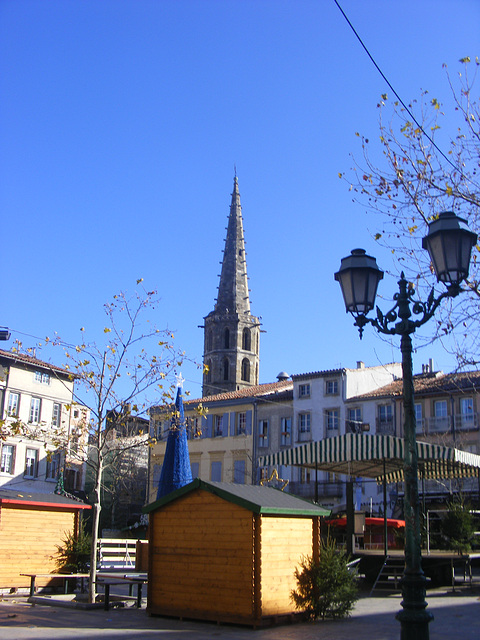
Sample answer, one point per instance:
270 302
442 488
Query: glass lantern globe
359 276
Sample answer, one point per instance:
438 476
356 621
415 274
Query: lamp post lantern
449 243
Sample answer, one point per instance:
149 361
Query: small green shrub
458 527
327 589
73 556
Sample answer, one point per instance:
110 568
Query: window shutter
248 425
195 469
208 431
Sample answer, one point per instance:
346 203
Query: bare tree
428 161
114 379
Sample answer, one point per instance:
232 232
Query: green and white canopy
376 456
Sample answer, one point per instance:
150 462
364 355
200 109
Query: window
286 435
304 475
42 377
13 404
241 423
331 387
226 367
8 459
332 419
385 413
440 409
304 422
418 412
304 391
263 473
467 416
35 406
418 417
31 463
246 340
239 471
73 444
246 370
216 471
53 466
56 414
218 426
71 479
354 423
263 433
159 430
385 422
466 406
195 427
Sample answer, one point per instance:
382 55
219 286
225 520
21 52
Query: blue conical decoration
176 471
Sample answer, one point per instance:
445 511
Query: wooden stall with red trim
31 527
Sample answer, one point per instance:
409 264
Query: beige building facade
225 443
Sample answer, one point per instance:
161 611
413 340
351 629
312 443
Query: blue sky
120 126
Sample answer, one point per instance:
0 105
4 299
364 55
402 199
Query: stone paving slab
457 615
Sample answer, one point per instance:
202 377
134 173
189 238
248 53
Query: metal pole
385 522
414 618
350 518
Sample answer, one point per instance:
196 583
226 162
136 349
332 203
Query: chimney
360 364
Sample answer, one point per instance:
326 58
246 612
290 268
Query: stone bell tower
232 334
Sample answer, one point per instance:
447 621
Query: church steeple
232 334
233 288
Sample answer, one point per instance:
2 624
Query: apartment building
225 443
447 413
321 410
36 401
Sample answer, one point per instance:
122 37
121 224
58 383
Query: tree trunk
97 507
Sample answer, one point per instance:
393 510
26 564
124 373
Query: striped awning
376 456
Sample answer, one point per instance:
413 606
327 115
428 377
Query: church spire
232 334
233 289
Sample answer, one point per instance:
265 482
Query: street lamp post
449 243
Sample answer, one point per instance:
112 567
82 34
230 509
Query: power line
407 109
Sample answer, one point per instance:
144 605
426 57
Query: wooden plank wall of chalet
28 541
201 559
284 540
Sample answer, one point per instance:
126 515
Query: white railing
304 436
443 424
116 553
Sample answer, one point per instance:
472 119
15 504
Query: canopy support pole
350 518
385 524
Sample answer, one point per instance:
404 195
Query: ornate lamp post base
414 618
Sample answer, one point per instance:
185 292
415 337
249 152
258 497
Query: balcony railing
444 424
304 436
325 489
385 427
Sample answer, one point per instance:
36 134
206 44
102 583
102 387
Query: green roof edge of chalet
231 492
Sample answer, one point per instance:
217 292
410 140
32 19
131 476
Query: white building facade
321 410
36 402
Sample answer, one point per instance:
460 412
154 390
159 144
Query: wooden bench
65 576
110 580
